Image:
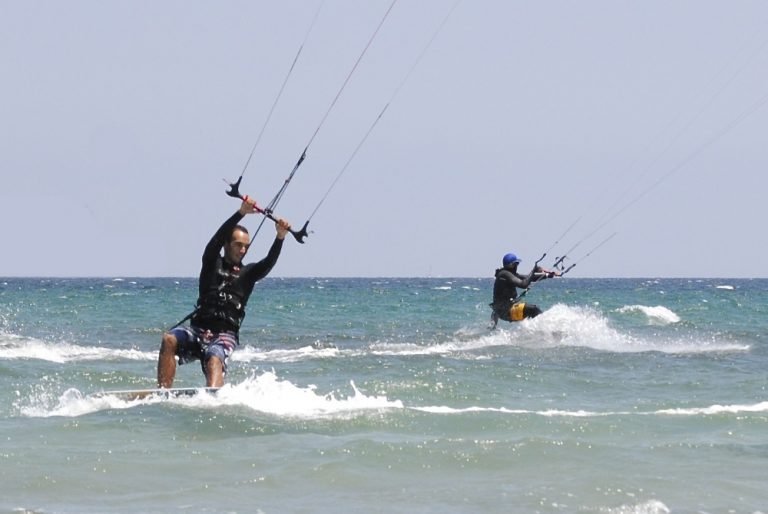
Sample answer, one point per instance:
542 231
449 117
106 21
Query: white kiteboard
140 394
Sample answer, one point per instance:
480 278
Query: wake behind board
140 394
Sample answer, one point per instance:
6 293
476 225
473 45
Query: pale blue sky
120 118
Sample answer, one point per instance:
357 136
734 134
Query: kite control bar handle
234 192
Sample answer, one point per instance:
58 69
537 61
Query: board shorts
195 343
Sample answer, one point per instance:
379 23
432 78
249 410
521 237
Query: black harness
222 308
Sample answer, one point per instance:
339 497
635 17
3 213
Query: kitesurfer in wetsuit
505 305
224 288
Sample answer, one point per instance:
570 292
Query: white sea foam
580 413
564 325
716 409
249 353
265 393
647 507
561 325
658 315
268 394
446 348
16 347
505 410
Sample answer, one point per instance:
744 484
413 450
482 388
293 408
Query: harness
222 306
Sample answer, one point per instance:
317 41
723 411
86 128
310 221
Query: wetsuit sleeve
505 284
219 239
258 270
211 257
521 281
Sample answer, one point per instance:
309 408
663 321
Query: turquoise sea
391 395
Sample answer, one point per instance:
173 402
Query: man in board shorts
224 288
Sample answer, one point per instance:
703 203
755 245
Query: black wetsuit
225 288
505 293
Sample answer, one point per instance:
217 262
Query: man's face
237 247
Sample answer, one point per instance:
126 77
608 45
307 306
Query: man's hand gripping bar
234 192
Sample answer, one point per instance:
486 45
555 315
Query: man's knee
214 371
214 364
169 344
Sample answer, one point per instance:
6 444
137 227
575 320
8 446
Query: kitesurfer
505 299
224 288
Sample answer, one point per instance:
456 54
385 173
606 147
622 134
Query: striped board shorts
195 343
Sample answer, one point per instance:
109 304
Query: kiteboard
141 394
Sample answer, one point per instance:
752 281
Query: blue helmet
509 259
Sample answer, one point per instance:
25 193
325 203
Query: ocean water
391 395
